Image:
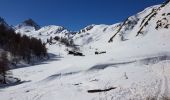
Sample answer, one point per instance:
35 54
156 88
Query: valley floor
71 78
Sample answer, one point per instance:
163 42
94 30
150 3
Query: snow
139 67
43 33
56 79
46 33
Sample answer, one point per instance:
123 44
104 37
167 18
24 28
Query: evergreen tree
4 66
22 47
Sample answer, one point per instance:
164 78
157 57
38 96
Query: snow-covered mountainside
95 33
124 61
150 21
100 37
30 28
149 24
27 26
52 31
52 35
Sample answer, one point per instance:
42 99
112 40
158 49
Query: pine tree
21 47
4 66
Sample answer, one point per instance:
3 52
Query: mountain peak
30 22
2 21
87 28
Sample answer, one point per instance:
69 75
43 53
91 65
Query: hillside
124 61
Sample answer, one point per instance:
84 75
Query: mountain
154 18
30 22
150 21
145 26
31 28
53 31
3 22
26 26
147 22
122 31
54 36
20 48
95 34
129 60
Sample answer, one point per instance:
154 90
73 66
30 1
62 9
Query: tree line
21 47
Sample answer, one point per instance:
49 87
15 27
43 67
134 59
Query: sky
72 14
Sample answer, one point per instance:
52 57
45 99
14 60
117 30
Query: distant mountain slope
122 31
147 23
151 25
30 28
152 19
95 33
54 36
27 26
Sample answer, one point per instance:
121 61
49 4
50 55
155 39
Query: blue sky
72 14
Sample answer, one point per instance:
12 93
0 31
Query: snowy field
71 77
135 66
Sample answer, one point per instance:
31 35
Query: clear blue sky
72 14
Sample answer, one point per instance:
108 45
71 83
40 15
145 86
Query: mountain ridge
134 26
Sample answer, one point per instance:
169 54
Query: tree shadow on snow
143 61
2 86
51 58
104 66
59 75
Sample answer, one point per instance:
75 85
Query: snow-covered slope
97 37
148 25
154 19
27 26
70 79
47 34
95 33
136 65
131 25
52 31
31 28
